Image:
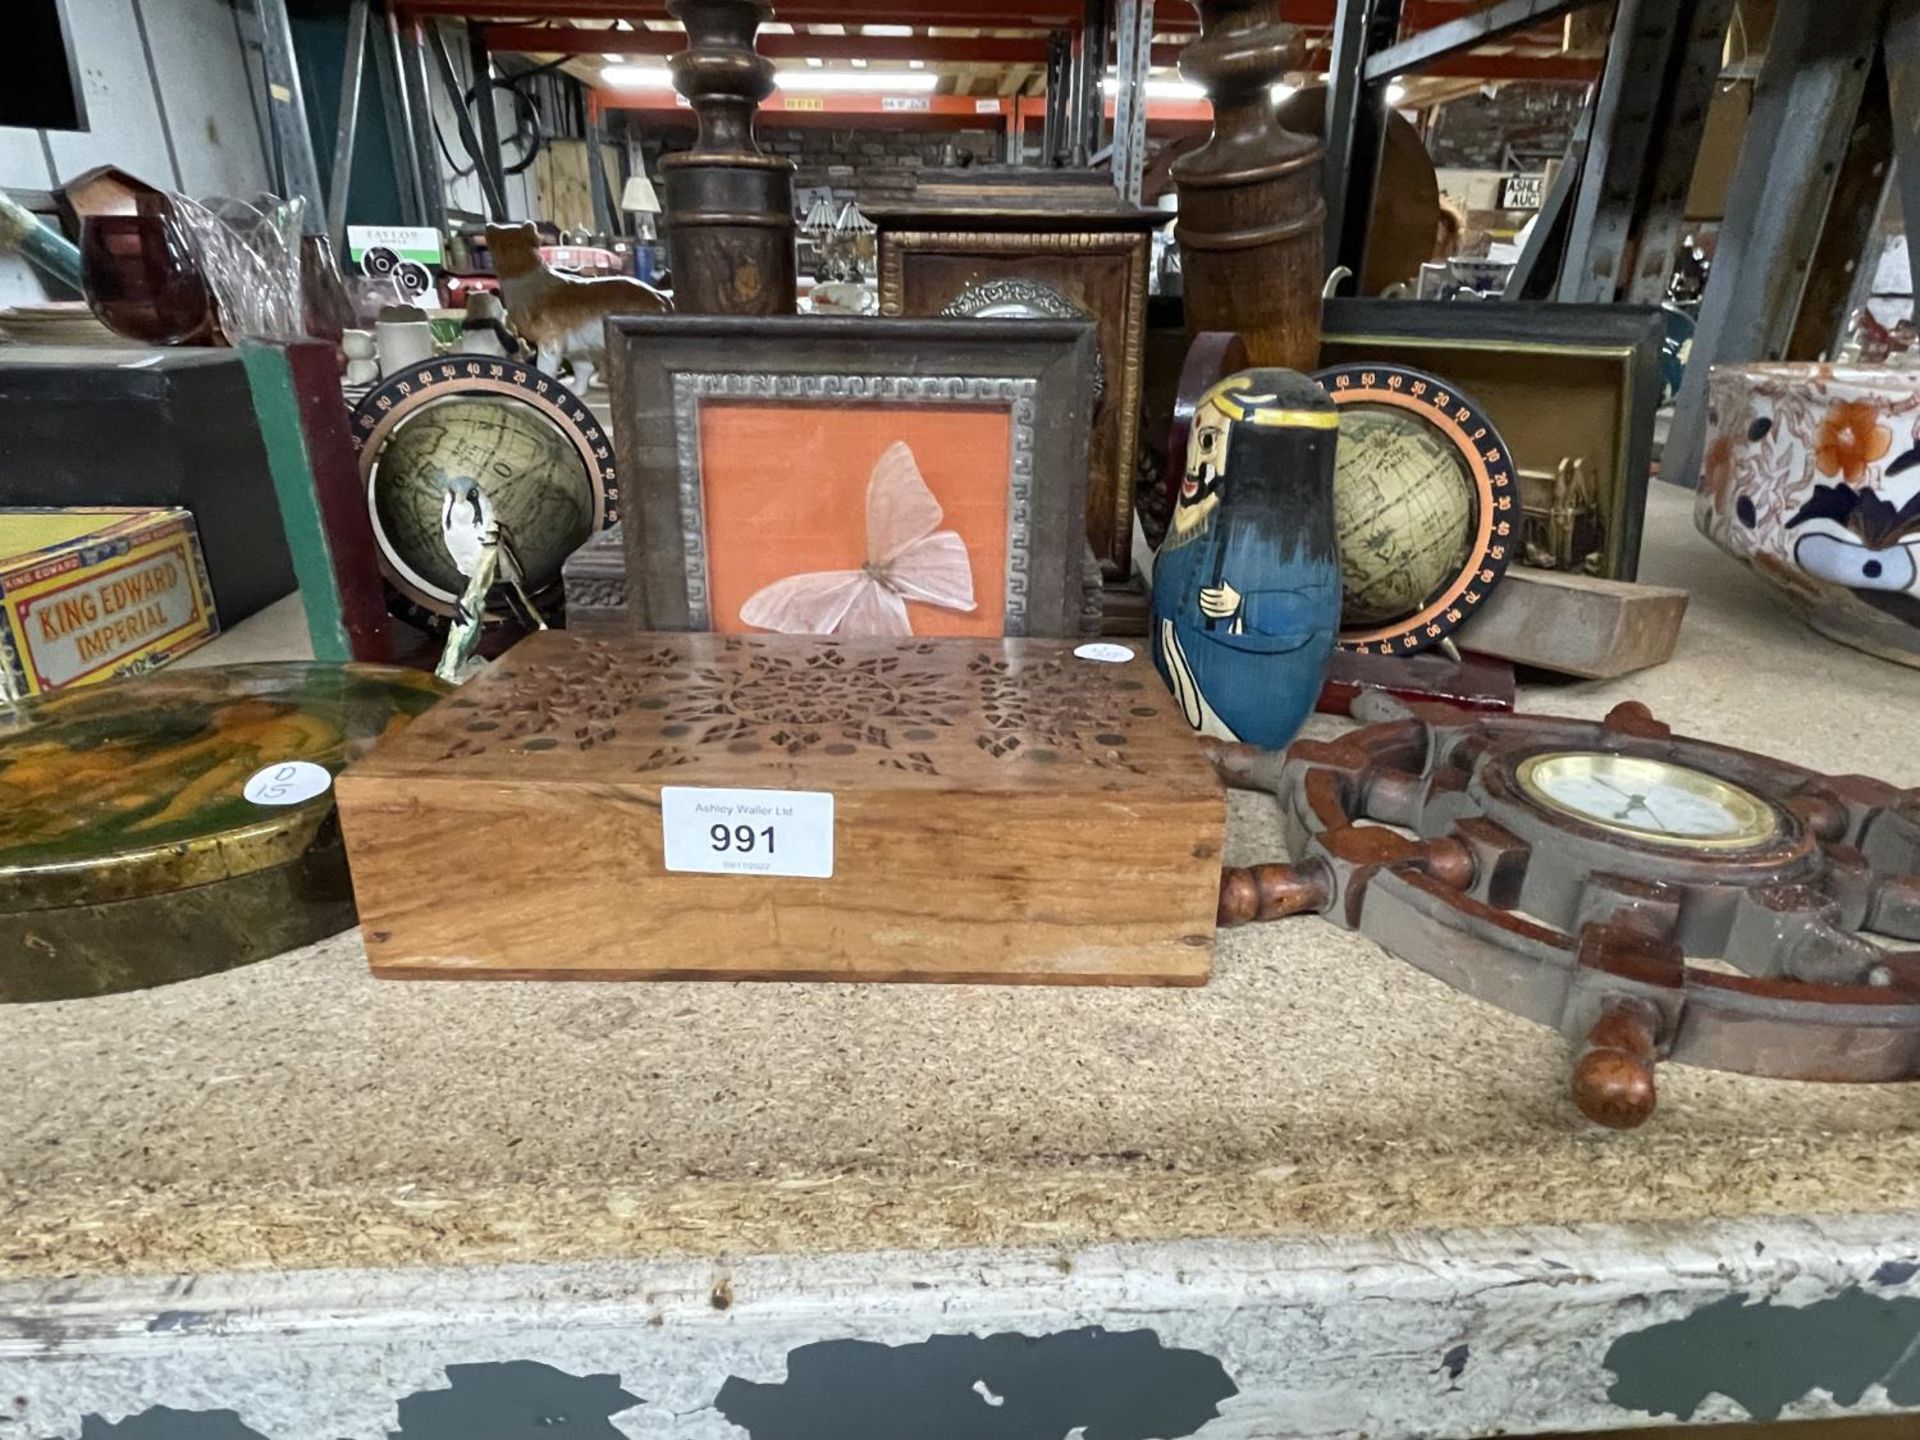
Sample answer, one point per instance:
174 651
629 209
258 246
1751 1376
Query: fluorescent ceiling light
886 30
1167 89
907 82
916 64
637 77
1396 93
912 82
814 62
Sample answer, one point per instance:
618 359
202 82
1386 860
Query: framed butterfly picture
854 477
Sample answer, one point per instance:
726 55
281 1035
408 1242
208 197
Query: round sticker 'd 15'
291 782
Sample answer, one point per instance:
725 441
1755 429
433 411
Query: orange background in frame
785 492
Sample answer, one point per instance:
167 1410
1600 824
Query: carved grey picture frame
663 369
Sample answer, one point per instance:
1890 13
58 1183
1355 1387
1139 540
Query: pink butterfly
908 558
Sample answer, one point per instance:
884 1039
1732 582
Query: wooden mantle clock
1012 244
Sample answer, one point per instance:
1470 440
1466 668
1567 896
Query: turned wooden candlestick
728 207
1251 212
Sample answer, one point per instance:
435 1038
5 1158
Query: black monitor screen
42 89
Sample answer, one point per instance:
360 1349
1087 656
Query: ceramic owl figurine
1246 587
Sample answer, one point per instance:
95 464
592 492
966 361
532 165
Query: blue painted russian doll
1246 587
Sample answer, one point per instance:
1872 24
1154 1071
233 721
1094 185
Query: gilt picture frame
853 476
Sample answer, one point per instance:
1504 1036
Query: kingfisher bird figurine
1246 587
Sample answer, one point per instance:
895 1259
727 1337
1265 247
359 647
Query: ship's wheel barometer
1650 896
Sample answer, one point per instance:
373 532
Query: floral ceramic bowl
1812 477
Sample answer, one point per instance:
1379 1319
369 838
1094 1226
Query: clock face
1652 801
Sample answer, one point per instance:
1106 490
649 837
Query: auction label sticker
747 832
289 783
1109 653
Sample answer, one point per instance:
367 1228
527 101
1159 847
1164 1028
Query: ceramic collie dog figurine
559 315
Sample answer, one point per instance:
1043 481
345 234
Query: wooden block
1576 624
1003 811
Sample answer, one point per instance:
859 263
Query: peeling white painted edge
1324 1337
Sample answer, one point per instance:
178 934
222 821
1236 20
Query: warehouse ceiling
968 47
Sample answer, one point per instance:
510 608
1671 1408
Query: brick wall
872 165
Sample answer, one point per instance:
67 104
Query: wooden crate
1003 811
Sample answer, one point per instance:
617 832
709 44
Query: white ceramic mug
403 343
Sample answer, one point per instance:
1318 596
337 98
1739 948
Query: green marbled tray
129 854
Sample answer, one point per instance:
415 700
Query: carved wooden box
1001 810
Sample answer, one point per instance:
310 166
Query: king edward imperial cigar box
780 807
93 592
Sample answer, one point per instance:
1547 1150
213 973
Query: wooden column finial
728 207
1251 211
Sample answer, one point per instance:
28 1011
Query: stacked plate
56 322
